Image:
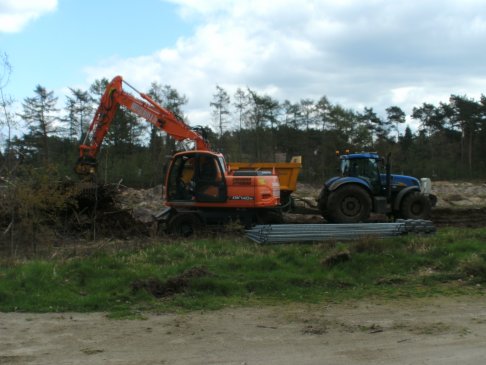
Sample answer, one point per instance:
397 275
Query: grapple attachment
86 166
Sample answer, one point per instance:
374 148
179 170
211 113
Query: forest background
245 126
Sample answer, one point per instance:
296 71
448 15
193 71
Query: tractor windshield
360 167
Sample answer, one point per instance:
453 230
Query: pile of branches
101 211
40 209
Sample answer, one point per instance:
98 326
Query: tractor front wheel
415 206
348 204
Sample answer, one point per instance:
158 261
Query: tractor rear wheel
348 204
415 206
184 224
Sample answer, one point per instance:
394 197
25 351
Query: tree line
247 126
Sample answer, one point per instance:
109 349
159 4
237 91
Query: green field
211 273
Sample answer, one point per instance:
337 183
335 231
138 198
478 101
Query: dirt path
420 331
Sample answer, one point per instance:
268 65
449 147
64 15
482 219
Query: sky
373 53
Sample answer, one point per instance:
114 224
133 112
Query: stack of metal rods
281 233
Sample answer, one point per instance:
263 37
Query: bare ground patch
427 331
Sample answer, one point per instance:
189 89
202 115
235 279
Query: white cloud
15 14
358 53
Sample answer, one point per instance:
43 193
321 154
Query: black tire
286 202
415 205
322 202
184 225
348 204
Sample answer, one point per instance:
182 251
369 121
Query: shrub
31 207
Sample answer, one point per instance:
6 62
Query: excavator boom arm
144 107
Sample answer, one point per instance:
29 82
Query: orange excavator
200 187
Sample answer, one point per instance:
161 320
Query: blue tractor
364 188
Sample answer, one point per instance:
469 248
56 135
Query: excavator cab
196 176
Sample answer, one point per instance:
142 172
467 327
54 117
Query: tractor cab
373 171
365 166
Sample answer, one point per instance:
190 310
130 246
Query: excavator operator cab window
207 168
180 182
210 183
196 177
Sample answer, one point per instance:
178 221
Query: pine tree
241 105
220 105
263 111
7 117
467 116
79 107
307 112
173 101
39 113
395 116
323 108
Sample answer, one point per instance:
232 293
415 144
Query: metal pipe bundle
281 233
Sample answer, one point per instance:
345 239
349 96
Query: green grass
243 273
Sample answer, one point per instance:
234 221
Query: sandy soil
419 331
